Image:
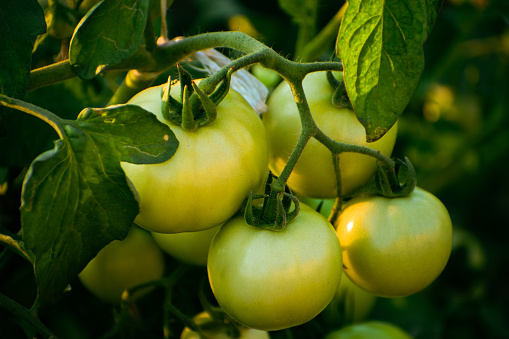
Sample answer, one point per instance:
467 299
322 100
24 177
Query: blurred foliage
455 131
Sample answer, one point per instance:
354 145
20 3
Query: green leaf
20 22
432 7
110 32
76 198
380 44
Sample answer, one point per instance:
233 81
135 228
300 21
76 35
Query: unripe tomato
314 175
272 280
395 247
220 332
369 330
122 265
189 247
211 174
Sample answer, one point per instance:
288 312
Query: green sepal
339 96
222 90
404 172
170 108
186 80
188 121
256 216
208 105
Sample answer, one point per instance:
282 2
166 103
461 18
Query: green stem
169 308
307 29
338 147
335 211
28 316
50 74
45 115
134 82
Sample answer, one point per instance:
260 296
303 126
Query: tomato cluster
265 279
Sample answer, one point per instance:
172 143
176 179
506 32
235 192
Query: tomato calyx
195 108
394 182
404 172
276 211
339 96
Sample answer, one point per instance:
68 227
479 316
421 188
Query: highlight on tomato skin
395 247
272 280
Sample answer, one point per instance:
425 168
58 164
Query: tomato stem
30 317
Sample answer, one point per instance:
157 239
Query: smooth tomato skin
189 247
350 303
123 264
369 330
271 280
314 175
220 333
210 175
395 247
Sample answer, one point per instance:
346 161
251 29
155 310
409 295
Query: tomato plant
208 161
314 174
395 247
189 247
213 330
106 126
372 329
273 280
122 265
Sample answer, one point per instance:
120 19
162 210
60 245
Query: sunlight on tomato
272 280
210 175
395 247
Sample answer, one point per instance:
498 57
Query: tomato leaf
20 22
110 32
380 44
76 198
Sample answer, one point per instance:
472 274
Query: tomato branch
30 317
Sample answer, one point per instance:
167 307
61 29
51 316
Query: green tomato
204 320
395 247
267 76
210 175
123 264
369 330
314 175
189 247
272 280
351 303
